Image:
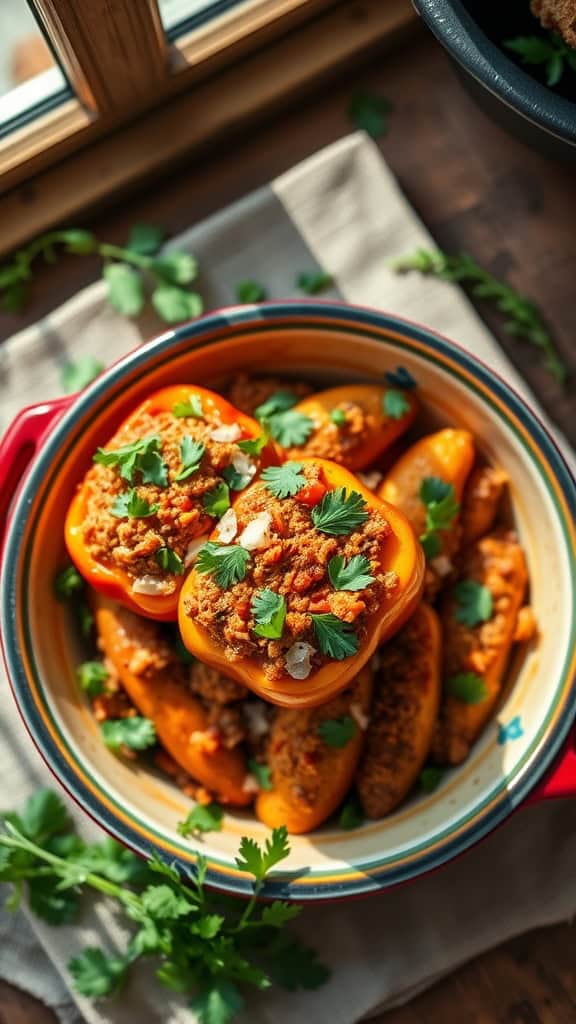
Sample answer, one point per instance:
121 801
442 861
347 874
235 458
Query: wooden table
477 190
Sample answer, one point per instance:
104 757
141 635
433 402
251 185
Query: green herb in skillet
548 52
208 948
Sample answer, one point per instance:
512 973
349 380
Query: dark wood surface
478 190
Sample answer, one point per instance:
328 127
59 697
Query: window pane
30 80
180 16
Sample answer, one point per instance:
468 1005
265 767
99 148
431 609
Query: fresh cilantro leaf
254 445
112 860
225 562
217 501
475 603
192 406
352 814
279 913
125 288
433 490
97 975
250 291
141 456
236 481
145 239
431 777
44 815
207 926
336 638
369 113
354 575
92 675
467 687
340 512
218 1004
191 454
400 378
431 543
338 416
76 375
174 304
164 903
284 481
312 282
279 401
52 903
137 733
168 560
257 860
176 267
290 428
128 504
294 965
202 818
439 499
395 404
67 583
550 51
337 732
152 468
269 611
261 772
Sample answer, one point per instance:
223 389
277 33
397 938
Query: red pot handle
18 447
560 781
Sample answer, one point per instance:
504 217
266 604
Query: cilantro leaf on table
284 481
548 50
250 291
177 268
202 818
217 501
523 318
295 965
52 903
336 638
395 404
474 603
312 282
43 816
261 772
369 112
351 814
137 733
129 505
225 562
67 583
97 975
259 860
338 417
112 860
92 675
169 561
78 373
340 512
145 239
279 401
162 902
191 455
192 406
352 575
174 304
125 288
218 1004
430 777
337 732
278 913
269 611
468 687
142 456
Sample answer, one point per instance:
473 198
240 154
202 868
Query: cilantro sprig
76 374
92 676
191 455
468 687
336 638
286 425
337 732
136 733
269 611
141 457
206 946
523 319
202 818
191 406
226 563
129 505
284 481
340 512
169 561
548 51
352 575
217 501
474 603
312 282
439 499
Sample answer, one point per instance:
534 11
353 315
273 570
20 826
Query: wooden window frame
173 97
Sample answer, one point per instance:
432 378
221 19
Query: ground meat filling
337 441
247 393
132 544
294 564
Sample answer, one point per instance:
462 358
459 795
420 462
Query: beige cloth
341 209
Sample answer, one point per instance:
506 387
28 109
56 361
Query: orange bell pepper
161 694
448 455
404 714
400 553
366 430
111 579
310 778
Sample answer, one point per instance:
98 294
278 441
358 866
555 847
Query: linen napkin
341 210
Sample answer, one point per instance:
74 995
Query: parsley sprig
439 499
335 637
191 455
269 611
129 505
352 575
523 318
142 457
548 51
127 271
226 563
207 947
340 512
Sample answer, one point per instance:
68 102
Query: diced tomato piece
311 494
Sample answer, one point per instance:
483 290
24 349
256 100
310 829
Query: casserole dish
527 751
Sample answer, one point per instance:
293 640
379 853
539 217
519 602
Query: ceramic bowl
531 732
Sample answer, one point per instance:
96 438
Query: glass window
180 16
31 82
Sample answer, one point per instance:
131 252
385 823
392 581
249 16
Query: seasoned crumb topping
337 441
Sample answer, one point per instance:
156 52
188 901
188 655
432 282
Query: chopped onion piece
257 720
244 465
360 717
154 586
193 549
298 664
226 432
250 784
370 480
256 534
442 565
227 527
